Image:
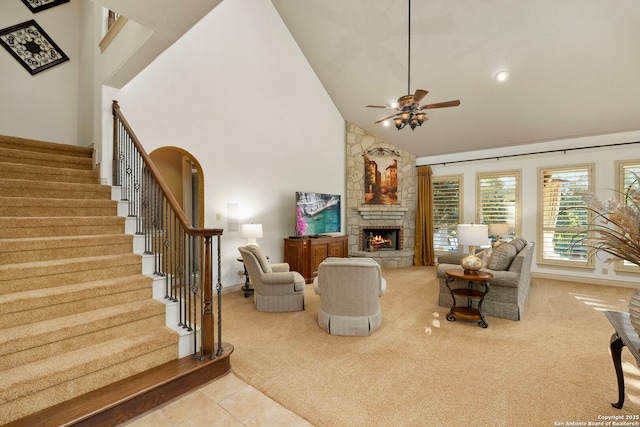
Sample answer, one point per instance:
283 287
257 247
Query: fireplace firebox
381 238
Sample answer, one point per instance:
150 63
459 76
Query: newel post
207 301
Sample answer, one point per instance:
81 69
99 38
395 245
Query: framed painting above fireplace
380 180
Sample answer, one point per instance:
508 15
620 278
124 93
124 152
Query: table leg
450 316
616 355
483 323
247 284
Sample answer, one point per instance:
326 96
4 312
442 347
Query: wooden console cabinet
305 255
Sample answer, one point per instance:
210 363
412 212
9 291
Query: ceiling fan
408 108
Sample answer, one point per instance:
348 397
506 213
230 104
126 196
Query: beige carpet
418 369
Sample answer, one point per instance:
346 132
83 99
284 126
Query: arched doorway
183 174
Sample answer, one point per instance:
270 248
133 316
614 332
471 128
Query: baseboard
589 280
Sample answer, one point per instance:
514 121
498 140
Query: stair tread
35 158
40 201
67 293
78 186
24 243
29 378
80 260
60 221
55 170
68 326
27 144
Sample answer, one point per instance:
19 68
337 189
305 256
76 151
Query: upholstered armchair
275 287
350 291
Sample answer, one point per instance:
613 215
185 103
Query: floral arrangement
301 226
616 226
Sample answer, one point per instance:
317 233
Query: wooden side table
624 335
468 311
248 290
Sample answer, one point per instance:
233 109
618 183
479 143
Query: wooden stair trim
118 402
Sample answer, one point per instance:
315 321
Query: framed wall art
32 47
381 177
36 6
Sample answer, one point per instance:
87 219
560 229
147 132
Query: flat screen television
317 213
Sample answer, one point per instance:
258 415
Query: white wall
603 158
45 105
237 93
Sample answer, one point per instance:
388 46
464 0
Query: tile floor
224 402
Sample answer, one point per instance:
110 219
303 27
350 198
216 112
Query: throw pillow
502 256
484 256
262 260
519 243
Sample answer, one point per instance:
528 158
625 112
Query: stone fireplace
393 223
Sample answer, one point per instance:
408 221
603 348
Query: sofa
510 265
350 291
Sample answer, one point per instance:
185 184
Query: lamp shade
473 234
252 231
498 229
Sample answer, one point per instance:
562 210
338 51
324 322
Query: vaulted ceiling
574 66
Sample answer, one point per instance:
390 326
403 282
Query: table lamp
472 235
498 230
252 232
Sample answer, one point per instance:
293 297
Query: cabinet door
319 253
336 249
294 254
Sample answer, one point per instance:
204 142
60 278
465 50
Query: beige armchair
275 287
350 291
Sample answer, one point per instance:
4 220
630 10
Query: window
563 215
447 205
628 177
499 199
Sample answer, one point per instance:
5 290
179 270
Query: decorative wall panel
36 6
32 47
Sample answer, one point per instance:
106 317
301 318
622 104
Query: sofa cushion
519 243
502 256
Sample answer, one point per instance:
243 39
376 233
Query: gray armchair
275 287
350 291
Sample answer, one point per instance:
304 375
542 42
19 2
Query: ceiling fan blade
420 93
441 105
382 120
380 106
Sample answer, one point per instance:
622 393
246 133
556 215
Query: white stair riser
172 316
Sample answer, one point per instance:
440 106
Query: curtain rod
560 150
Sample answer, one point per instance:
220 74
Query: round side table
468 311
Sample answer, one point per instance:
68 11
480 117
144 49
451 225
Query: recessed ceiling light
502 76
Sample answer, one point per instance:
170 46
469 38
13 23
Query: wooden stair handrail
201 232
207 327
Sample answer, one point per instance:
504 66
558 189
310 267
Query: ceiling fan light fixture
408 108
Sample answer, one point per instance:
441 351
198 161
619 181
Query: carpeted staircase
76 312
